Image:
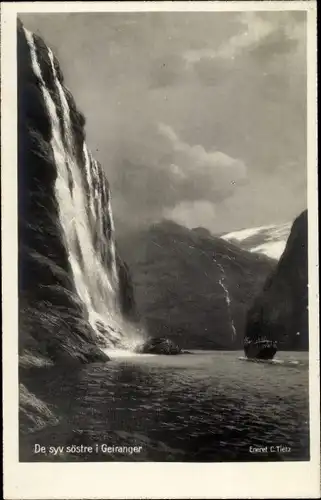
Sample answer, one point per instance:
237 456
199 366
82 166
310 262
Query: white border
144 480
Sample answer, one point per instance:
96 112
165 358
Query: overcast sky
197 117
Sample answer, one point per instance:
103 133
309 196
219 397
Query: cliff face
280 311
182 278
60 182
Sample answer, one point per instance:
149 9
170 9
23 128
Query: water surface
207 406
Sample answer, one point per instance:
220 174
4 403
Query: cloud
260 190
164 171
257 30
192 214
192 110
200 173
254 29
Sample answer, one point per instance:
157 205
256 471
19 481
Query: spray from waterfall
226 295
85 214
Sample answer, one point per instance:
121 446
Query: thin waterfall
80 197
226 295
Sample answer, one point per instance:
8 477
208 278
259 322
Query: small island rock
160 345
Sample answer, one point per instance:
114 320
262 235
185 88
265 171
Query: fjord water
207 406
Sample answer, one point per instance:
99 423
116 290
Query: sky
195 117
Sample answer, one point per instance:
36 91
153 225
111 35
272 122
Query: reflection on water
209 406
122 353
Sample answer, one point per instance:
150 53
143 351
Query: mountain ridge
178 289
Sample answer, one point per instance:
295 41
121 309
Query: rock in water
279 315
70 273
160 345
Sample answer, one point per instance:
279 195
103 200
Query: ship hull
257 349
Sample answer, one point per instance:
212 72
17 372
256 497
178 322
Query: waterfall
84 207
226 295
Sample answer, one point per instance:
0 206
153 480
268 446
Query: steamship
260 348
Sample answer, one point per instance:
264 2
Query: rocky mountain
192 286
267 240
280 311
71 275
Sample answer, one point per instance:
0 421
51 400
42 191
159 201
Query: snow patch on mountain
268 240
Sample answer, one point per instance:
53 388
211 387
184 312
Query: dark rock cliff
280 311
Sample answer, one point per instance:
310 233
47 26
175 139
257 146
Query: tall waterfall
84 207
226 295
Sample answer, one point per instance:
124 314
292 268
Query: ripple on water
124 353
209 407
